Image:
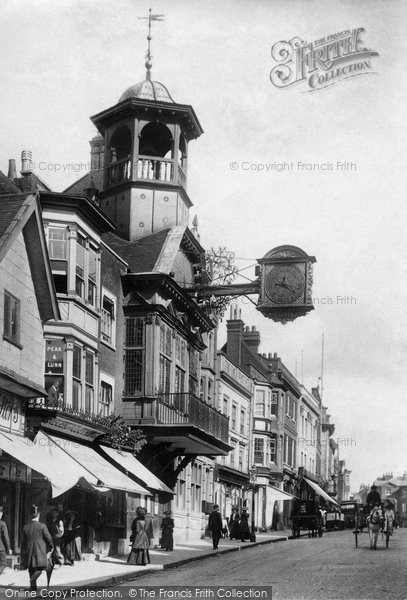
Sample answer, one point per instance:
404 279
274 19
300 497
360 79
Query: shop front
16 477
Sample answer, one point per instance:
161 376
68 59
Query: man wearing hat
36 548
215 526
4 542
373 497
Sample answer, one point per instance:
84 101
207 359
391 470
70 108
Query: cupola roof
148 90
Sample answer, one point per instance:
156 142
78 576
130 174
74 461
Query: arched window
155 140
120 144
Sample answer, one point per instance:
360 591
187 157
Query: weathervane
150 18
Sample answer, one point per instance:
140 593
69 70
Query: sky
61 62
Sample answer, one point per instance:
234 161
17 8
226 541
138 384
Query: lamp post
253 472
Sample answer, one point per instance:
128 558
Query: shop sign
11 415
72 429
54 356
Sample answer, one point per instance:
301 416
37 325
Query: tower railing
119 172
155 169
145 168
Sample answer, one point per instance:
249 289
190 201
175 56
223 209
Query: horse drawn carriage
306 515
378 520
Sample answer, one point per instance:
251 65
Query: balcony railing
175 409
145 168
60 405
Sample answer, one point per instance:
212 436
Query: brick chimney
235 330
251 338
97 152
12 170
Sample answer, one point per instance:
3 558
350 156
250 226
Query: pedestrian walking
234 520
167 527
36 548
244 529
72 538
5 547
215 526
139 554
55 526
389 515
149 527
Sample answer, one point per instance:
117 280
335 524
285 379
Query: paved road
317 569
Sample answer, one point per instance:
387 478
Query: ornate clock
285 283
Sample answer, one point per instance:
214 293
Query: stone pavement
111 570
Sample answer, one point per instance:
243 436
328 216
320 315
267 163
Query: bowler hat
34 511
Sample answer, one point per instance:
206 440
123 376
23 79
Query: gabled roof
78 188
7 186
21 213
31 183
11 206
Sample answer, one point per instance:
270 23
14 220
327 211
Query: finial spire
150 18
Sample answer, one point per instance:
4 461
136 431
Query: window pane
76 394
77 359
134 331
11 317
92 264
57 243
134 370
89 368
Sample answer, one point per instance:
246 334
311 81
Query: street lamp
253 472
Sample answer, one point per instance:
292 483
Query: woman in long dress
139 554
167 526
234 520
244 529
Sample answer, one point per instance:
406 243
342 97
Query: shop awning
95 467
45 459
320 491
277 494
136 468
59 467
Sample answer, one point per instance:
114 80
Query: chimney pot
270 356
275 355
253 328
12 170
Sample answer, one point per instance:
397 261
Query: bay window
134 356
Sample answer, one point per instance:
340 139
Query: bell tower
146 136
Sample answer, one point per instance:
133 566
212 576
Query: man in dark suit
4 543
37 548
215 526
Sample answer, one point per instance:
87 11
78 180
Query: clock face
284 284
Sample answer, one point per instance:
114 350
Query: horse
374 524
